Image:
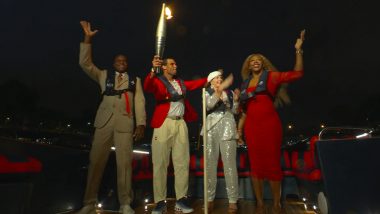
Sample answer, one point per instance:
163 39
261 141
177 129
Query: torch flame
168 13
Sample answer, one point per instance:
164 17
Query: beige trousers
172 137
104 138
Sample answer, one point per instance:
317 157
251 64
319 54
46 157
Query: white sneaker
88 209
126 209
181 206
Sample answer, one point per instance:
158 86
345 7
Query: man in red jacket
170 134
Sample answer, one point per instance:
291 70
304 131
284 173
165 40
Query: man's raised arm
85 55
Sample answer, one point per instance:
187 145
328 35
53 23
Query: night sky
39 46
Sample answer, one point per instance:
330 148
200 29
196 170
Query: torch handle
157 70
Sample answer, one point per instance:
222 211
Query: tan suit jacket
114 105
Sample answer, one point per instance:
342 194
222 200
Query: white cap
213 74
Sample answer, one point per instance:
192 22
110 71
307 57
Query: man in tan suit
123 103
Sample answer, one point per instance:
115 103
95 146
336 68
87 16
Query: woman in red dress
262 127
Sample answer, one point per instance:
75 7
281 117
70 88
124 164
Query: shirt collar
122 74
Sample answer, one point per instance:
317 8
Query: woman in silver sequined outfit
221 136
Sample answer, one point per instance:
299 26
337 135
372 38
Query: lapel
124 82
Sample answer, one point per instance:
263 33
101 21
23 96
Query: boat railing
338 133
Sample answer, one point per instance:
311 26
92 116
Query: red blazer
155 86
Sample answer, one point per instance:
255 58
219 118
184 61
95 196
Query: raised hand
86 26
156 62
236 94
227 82
300 40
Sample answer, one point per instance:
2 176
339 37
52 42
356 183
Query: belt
175 117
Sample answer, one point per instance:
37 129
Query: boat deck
221 206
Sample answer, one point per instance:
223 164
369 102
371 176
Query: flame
168 13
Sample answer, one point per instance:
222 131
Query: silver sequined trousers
221 138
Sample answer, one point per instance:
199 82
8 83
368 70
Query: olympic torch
161 33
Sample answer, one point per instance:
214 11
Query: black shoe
160 208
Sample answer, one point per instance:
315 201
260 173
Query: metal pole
204 152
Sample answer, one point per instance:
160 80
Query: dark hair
165 61
120 54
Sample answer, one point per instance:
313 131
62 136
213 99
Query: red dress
263 129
